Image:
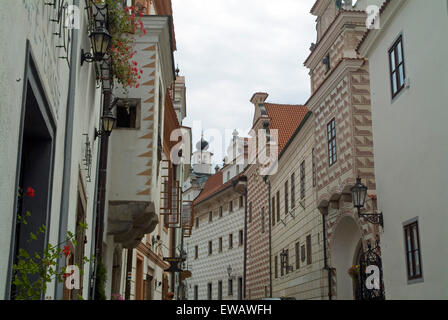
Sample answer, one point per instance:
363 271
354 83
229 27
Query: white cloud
229 49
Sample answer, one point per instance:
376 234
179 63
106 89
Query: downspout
270 234
326 267
68 146
245 244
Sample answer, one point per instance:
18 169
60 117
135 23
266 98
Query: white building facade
409 112
50 108
215 250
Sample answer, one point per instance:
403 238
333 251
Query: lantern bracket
373 218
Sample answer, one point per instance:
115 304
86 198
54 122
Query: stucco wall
411 151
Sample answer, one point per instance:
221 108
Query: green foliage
100 281
123 26
33 273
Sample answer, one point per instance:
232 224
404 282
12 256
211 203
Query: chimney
259 97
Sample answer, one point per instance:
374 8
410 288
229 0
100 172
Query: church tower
202 158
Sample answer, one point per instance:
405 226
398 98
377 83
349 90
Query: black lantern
107 123
101 40
359 194
284 261
229 271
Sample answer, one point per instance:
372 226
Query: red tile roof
285 118
214 185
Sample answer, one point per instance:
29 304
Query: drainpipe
326 267
245 243
270 234
68 146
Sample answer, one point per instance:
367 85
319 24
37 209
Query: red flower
66 250
138 85
30 192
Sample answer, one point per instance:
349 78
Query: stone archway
344 251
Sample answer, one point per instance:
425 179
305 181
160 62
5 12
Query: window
197 222
241 238
210 216
327 63
220 244
127 115
210 247
293 191
237 168
220 290
331 131
262 109
302 180
196 252
302 253
276 267
314 167
286 197
209 291
220 211
265 291
278 206
282 269
397 70
228 175
273 211
262 220
413 254
240 288
241 201
196 292
230 288
297 255
287 261
230 206
308 249
250 212
230 241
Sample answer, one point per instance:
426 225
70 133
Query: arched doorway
345 250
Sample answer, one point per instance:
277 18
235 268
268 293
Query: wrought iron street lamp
229 271
359 193
101 40
107 123
284 260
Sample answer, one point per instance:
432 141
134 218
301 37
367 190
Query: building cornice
344 20
159 31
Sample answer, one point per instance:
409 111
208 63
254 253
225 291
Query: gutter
270 235
326 267
68 149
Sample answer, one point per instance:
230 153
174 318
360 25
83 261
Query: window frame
293 190
297 248
230 287
332 142
231 241
309 253
196 252
407 226
273 211
210 247
394 73
263 218
286 198
302 181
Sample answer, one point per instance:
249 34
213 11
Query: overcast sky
229 49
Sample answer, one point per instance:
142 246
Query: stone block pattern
257 241
147 117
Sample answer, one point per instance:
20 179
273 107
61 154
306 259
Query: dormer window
262 109
326 62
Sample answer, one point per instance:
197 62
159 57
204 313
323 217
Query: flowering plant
33 272
117 296
353 271
124 23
